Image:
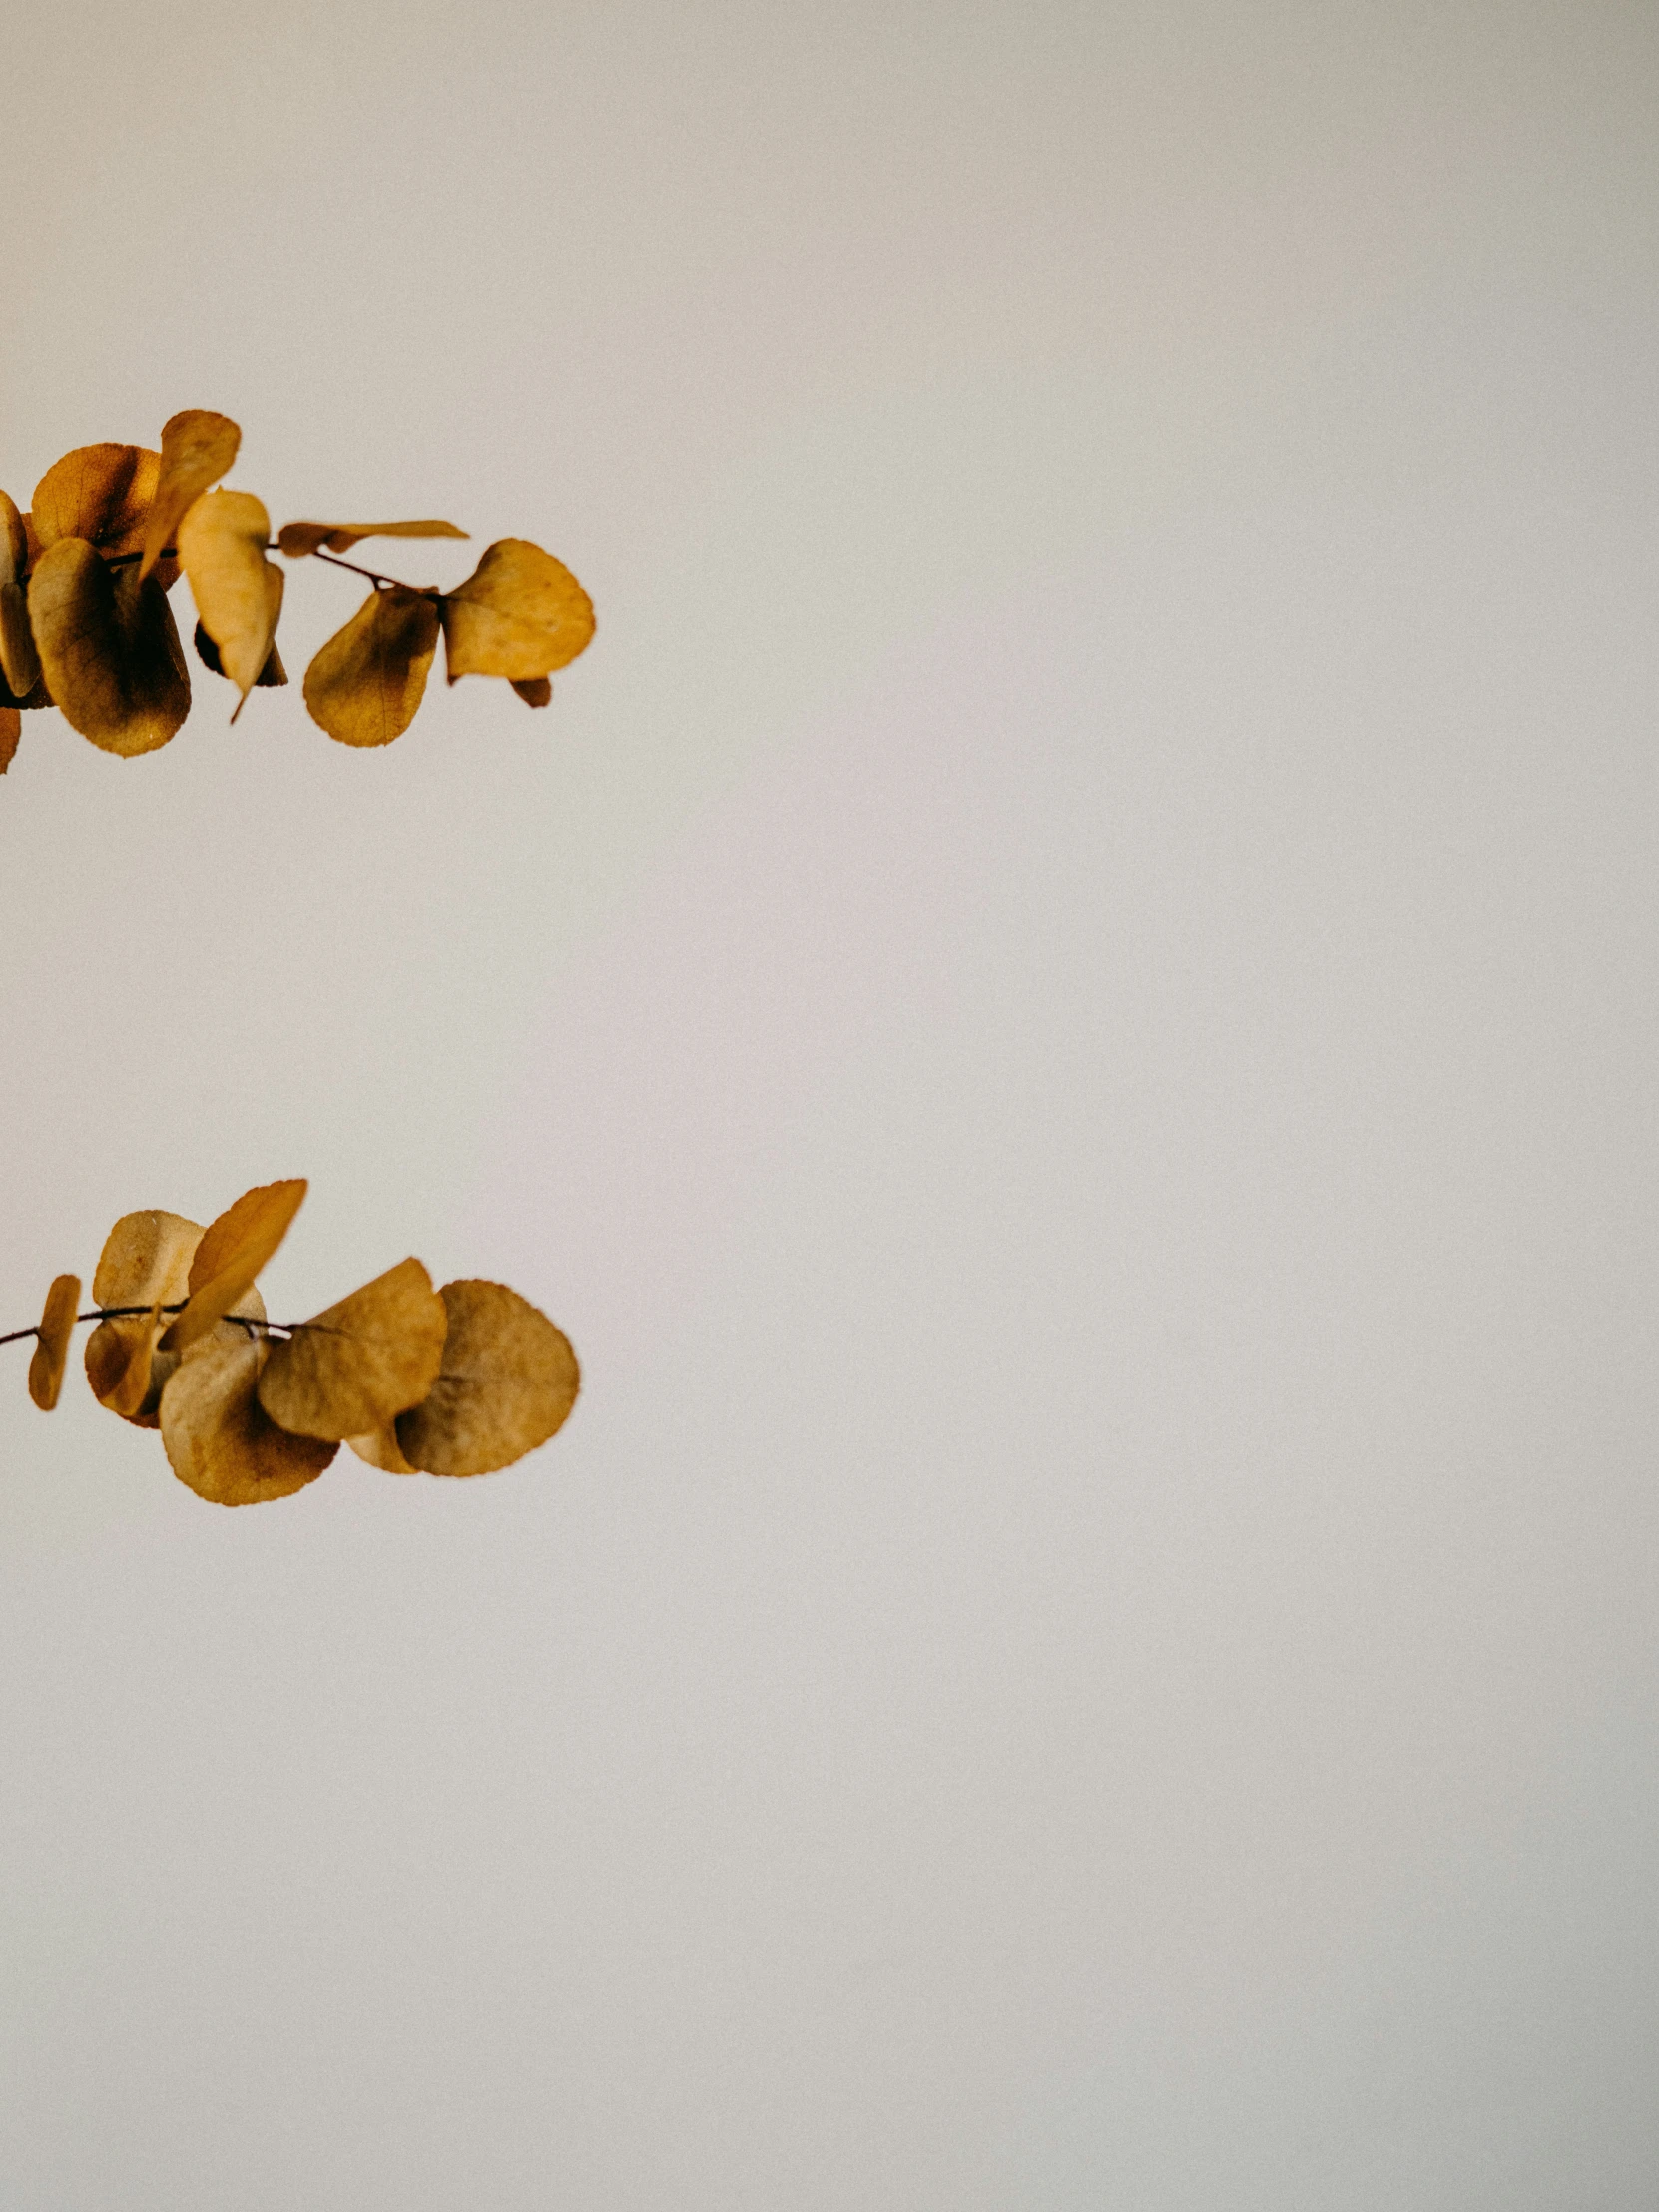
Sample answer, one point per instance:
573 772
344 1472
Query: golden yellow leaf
144 1261
380 1449
299 538
366 682
108 648
197 448
507 1381
520 613
130 1392
19 659
14 541
273 672
99 492
219 1440
233 1249
356 1367
535 691
51 1353
237 592
11 730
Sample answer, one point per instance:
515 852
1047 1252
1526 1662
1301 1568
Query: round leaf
521 613
219 1440
357 1365
508 1380
99 492
144 1261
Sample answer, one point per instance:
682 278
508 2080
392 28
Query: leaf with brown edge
521 613
237 592
51 1353
356 1367
507 1381
367 682
296 539
19 656
219 1440
233 1251
535 691
380 1449
108 650
144 1261
99 492
11 731
197 448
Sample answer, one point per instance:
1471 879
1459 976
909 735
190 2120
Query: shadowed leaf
108 650
357 1365
535 691
14 541
19 658
11 730
51 1353
507 1381
233 1249
521 613
237 592
219 1440
208 653
367 682
197 448
99 492
299 538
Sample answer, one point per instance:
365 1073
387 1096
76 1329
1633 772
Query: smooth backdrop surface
1063 1006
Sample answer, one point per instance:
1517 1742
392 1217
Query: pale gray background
1064 1008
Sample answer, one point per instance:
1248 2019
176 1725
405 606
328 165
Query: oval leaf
296 539
521 613
356 1367
51 1353
197 448
219 1440
508 1380
14 542
237 592
233 1249
108 650
365 685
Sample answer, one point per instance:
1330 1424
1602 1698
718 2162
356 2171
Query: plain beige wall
1063 1007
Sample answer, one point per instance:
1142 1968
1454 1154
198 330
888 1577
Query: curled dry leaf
144 1261
99 492
219 1440
208 653
19 657
379 1448
108 650
521 613
535 691
136 1388
11 730
357 1365
507 1381
296 539
233 1249
237 592
51 1353
365 685
197 448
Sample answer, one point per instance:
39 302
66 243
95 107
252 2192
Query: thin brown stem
381 583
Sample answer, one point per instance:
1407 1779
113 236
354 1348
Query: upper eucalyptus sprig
85 623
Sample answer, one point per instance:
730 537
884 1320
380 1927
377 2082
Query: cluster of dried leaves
85 622
459 1381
